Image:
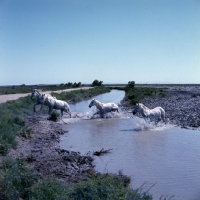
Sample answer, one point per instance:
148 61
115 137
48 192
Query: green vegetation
136 94
54 116
78 95
17 181
97 83
107 186
12 122
27 88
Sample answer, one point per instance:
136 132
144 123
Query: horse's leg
50 110
36 105
61 111
96 113
68 111
41 107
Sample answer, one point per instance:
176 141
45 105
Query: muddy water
165 157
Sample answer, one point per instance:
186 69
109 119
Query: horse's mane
143 106
97 101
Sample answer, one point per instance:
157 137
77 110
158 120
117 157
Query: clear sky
116 41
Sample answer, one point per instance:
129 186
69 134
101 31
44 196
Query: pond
164 158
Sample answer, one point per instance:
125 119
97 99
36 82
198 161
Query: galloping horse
54 103
156 113
36 93
103 107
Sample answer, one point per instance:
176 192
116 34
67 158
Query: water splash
141 124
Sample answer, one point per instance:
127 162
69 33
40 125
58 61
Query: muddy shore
43 155
41 151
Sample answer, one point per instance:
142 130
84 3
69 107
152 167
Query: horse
157 113
103 107
54 103
36 93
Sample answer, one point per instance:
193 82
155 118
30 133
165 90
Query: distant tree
97 83
76 84
79 84
130 85
69 84
62 85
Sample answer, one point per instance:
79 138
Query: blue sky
116 41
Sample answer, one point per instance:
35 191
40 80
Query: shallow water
165 155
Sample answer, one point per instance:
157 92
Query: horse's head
92 103
136 108
33 93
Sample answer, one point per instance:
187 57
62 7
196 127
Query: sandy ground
8 97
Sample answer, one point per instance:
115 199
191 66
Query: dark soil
42 154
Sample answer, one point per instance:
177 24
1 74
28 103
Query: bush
49 189
97 83
107 186
54 116
15 179
135 95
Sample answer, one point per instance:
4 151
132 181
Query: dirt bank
42 154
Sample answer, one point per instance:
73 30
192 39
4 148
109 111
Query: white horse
36 93
54 103
103 107
156 114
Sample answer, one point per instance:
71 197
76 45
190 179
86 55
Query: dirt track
8 97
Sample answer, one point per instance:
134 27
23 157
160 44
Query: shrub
107 186
54 116
15 179
135 95
97 83
49 189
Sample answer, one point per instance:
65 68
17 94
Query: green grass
107 187
135 95
27 88
12 122
15 179
18 182
78 95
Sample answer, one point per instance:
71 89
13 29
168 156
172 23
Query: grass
18 182
12 122
27 88
15 179
135 95
78 95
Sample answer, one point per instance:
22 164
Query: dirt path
8 97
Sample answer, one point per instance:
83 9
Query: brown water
166 156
